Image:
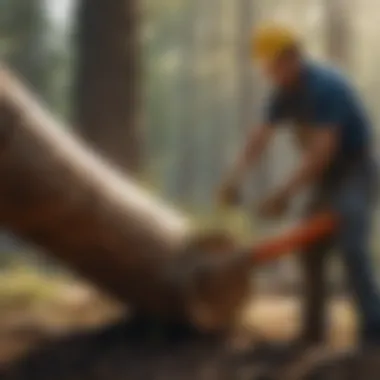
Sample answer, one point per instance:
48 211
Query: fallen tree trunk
66 199
61 196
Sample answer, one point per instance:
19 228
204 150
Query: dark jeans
349 190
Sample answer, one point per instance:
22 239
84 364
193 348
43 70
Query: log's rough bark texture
61 196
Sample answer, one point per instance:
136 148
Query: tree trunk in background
187 91
337 13
107 97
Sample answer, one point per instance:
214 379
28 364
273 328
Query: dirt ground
270 317
267 318
113 352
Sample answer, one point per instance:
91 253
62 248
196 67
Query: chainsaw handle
298 238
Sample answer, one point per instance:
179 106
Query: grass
22 284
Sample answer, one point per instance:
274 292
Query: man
335 134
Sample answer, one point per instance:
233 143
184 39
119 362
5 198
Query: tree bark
108 83
64 198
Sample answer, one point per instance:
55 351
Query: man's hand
228 193
275 205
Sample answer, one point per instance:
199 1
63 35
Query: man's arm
330 113
258 141
315 160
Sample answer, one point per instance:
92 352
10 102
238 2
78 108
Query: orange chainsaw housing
298 238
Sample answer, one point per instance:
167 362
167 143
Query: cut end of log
215 294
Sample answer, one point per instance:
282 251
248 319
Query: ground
35 310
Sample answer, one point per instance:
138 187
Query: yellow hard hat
269 41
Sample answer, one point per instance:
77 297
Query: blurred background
166 90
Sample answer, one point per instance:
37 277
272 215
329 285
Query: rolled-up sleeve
330 106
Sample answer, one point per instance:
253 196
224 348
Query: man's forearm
312 168
303 177
250 155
